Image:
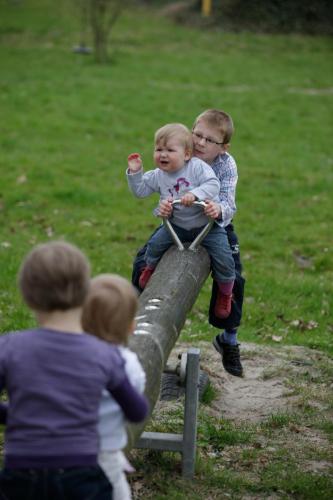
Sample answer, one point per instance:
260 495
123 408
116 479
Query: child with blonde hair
212 133
179 175
108 313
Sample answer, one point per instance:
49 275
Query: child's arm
208 185
3 356
133 404
140 184
213 209
133 368
165 208
225 208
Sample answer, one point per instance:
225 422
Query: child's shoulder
99 344
127 354
225 165
224 159
17 337
104 353
197 163
133 368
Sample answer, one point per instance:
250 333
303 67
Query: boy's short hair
110 308
175 130
220 120
54 276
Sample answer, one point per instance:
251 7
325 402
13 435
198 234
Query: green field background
68 124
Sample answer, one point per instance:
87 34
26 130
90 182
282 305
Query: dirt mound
265 388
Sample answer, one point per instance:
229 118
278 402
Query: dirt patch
278 418
265 388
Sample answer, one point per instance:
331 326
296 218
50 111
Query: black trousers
74 483
234 319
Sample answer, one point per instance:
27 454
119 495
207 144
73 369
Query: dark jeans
74 483
234 319
216 244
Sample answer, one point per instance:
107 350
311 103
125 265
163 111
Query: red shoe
222 305
145 276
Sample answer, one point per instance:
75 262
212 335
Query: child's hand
212 209
134 162
188 199
165 208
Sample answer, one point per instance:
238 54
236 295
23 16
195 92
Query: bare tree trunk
103 15
164 305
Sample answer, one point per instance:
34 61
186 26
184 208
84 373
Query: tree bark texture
103 15
163 306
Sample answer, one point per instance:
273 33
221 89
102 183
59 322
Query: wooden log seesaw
163 306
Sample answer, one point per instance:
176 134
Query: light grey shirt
196 177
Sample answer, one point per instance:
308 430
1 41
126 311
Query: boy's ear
132 327
225 147
188 154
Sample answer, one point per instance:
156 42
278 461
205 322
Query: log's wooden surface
163 306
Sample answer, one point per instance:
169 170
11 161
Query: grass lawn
67 126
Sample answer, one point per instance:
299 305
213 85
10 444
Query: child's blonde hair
175 130
218 119
110 308
54 276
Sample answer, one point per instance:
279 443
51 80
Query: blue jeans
216 243
74 483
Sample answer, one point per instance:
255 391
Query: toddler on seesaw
212 132
179 175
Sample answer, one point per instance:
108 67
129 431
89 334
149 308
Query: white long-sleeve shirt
111 425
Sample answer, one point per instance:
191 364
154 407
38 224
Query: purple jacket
54 382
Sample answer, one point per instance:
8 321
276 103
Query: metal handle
193 246
178 201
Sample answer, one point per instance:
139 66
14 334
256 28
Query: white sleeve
133 369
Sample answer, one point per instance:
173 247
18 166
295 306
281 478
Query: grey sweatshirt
196 177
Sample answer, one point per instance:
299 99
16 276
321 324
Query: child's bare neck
65 321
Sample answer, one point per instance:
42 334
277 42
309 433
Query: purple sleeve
133 404
3 413
3 407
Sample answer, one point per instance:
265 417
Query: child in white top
109 313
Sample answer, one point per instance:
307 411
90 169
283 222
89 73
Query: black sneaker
230 356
